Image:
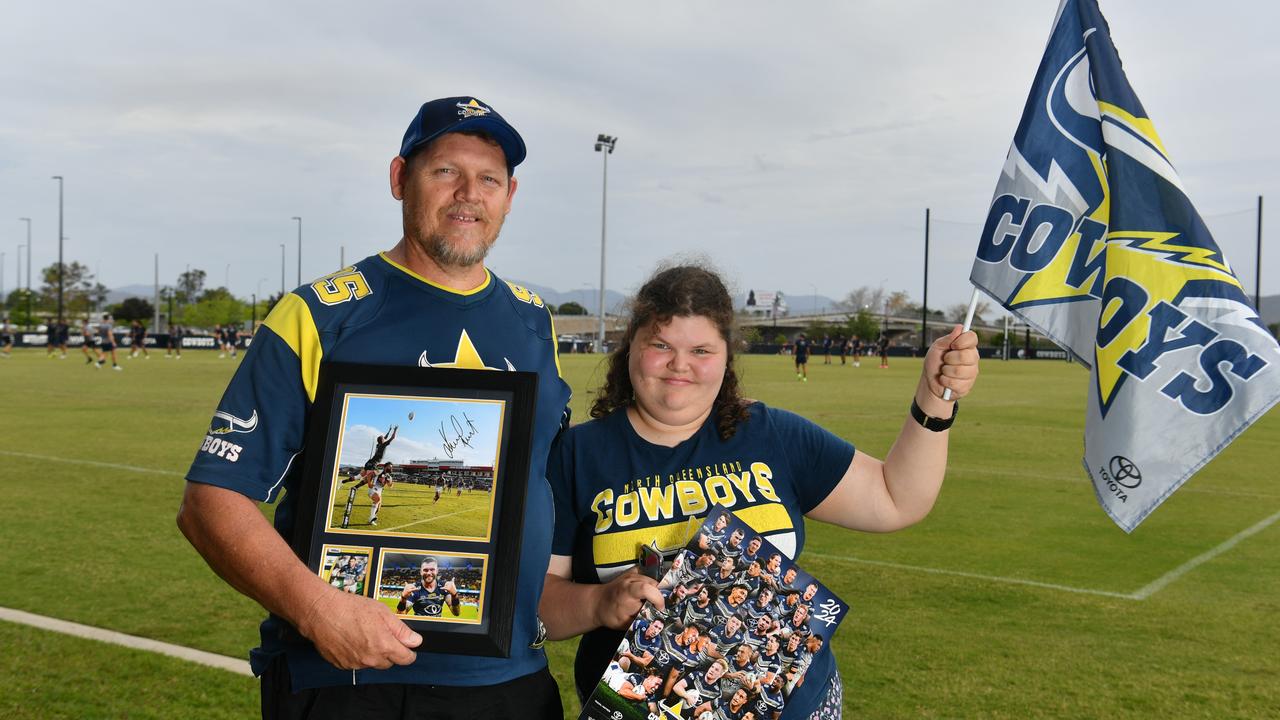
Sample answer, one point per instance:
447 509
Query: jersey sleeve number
341 287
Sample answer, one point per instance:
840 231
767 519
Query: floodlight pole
295 217
605 145
60 268
1257 279
924 306
28 222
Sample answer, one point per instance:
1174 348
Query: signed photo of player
436 586
416 467
347 568
742 625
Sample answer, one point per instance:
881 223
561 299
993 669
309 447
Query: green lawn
1014 599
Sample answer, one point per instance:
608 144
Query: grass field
466 612
1016 598
409 509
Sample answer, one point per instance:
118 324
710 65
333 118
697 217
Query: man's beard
438 247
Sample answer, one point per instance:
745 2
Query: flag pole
968 320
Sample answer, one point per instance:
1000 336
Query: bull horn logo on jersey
233 423
465 356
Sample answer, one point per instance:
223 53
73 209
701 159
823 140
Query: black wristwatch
931 423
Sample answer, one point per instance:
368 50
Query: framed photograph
413 495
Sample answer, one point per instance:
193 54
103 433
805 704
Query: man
883 344
377 480
429 597
802 358
700 688
86 332
641 689
175 342
428 297
139 334
645 643
6 336
106 343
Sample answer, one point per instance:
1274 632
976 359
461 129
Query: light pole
60 268
281 271
924 309
295 217
604 145
28 222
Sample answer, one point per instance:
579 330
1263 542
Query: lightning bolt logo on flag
1092 240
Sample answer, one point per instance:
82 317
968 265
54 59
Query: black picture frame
468 416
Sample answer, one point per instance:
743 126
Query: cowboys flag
1091 239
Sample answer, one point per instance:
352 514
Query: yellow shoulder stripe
291 320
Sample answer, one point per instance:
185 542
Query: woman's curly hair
680 291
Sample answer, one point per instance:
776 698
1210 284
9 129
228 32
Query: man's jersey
720 581
756 640
726 711
769 663
769 702
641 644
696 681
379 481
725 642
672 654
378 312
381 448
753 583
737 676
754 611
691 612
636 681
802 350
428 603
104 332
724 609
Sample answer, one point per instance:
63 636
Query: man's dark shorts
532 697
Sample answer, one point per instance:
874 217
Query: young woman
671 436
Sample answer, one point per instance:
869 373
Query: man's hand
354 632
450 587
618 600
408 590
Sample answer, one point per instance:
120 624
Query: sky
795 146
423 437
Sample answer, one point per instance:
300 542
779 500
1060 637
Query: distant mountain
589 298
120 294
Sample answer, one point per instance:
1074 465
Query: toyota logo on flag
1124 472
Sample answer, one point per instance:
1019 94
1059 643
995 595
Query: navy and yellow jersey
378 312
427 603
756 639
696 680
615 491
754 611
769 664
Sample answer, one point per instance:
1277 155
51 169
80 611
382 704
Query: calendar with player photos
741 626
413 495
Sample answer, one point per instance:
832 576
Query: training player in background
139 334
106 343
802 358
6 336
884 351
230 338
86 332
175 342
826 349
855 345
429 597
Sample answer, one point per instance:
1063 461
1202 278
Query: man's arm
455 602
230 533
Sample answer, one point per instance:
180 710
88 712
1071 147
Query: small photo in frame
347 568
434 586
416 467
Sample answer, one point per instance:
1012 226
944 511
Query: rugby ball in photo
411 416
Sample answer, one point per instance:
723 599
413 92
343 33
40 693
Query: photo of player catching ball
416 466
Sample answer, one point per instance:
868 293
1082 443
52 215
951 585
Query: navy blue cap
447 115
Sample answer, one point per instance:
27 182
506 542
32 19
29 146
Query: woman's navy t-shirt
615 491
